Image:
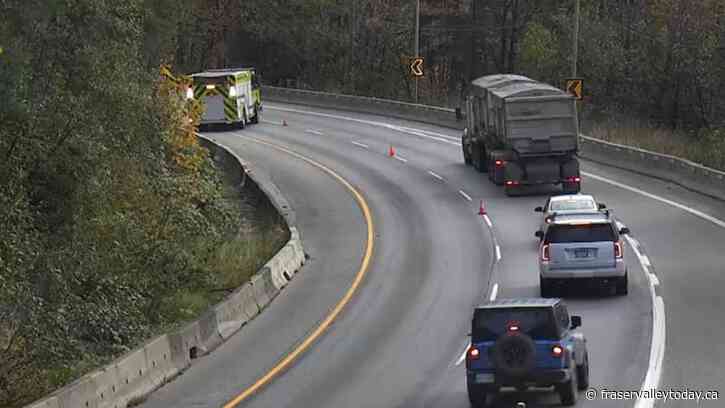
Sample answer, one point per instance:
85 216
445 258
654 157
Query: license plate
581 253
485 378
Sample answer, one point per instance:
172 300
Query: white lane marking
659 332
682 207
463 356
400 158
364 146
466 196
314 132
498 253
494 292
435 175
658 335
488 221
416 132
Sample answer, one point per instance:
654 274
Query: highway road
399 341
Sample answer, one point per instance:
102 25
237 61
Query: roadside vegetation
114 222
656 65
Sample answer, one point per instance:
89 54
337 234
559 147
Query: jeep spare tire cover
514 355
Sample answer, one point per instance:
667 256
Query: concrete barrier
402 110
141 371
685 173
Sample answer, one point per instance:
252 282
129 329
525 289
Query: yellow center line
359 276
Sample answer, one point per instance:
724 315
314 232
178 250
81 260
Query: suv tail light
557 351
618 250
545 253
473 353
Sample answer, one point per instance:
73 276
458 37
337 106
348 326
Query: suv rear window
489 324
580 233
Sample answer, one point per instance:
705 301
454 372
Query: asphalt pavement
398 342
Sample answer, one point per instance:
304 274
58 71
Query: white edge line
402 159
432 173
494 292
364 146
463 356
488 221
315 132
659 332
466 196
498 253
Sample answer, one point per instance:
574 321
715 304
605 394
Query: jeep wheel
582 373
477 396
568 391
622 285
546 287
514 355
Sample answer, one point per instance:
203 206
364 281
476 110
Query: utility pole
417 42
575 51
352 46
575 57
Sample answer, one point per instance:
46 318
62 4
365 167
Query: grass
706 147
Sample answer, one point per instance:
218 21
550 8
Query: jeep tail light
545 254
499 163
557 351
574 179
618 250
473 353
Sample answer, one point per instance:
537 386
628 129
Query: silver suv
576 247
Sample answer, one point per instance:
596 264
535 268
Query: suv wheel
477 396
568 391
546 287
622 285
582 373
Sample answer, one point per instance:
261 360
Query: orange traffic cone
391 151
481 209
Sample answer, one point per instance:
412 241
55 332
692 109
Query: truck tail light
512 183
557 351
545 254
618 250
574 179
499 163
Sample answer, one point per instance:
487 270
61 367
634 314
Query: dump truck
521 132
230 96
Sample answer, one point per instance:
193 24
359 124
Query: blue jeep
524 343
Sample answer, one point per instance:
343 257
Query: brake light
573 179
618 250
512 183
473 353
499 163
557 351
545 255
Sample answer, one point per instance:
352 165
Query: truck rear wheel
466 156
571 183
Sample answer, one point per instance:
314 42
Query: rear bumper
547 272
537 378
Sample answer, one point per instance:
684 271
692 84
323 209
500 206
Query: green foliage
111 209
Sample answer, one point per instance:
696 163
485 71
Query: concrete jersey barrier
138 373
683 172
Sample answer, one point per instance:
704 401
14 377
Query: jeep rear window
580 233
489 324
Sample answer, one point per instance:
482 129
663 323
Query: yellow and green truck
230 96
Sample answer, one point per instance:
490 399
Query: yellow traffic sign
575 87
416 67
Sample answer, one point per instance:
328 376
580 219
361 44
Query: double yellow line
285 362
